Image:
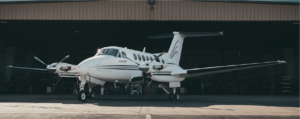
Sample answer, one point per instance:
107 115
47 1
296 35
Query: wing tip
281 61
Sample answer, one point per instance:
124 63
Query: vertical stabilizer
175 49
174 52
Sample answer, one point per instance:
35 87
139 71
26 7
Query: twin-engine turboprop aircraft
122 65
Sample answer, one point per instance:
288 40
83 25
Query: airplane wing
27 68
220 69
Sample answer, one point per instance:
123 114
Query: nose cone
82 68
51 69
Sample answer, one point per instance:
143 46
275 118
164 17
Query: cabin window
139 57
143 57
163 61
147 58
124 54
135 58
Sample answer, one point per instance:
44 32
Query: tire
92 95
81 96
176 97
170 97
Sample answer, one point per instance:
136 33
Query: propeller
51 68
62 60
158 56
144 67
40 60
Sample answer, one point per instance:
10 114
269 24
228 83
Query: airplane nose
82 68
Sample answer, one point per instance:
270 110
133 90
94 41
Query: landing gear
81 96
170 97
174 95
92 95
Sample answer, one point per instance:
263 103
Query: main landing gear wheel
81 96
92 95
170 96
174 96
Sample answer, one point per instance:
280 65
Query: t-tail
175 49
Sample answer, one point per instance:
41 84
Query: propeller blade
149 83
158 56
62 60
40 60
131 60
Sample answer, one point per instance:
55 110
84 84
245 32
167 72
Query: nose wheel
81 96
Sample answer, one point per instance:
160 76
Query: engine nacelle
65 68
158 67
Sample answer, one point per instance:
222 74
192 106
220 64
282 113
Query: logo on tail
174 50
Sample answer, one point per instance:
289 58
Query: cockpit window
147 58
123 54
108 51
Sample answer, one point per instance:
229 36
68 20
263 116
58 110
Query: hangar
253 32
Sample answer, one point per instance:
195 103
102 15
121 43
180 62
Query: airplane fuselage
115 67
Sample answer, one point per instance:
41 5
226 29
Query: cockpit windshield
108 51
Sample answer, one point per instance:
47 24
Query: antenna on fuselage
144 49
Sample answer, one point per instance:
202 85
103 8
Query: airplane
117 64
122 65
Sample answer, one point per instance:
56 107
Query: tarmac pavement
150 107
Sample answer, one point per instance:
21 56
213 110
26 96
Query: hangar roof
138 10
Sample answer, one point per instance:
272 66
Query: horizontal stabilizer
186 34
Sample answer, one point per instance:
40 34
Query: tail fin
175 49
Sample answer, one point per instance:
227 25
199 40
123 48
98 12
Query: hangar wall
142 10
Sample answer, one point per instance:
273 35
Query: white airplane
117 64
122 65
